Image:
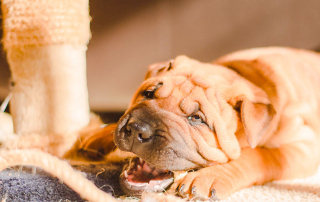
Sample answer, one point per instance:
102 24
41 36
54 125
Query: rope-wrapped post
46 43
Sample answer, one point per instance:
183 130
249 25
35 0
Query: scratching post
46 48
45 41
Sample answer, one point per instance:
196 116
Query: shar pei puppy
247 118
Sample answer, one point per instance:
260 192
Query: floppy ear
255 117
158 69
98 143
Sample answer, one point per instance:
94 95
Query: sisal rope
39 22
45 41
50 93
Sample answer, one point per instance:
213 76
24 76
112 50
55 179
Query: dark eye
196 119
149 94
170 66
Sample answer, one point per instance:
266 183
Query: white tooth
125 173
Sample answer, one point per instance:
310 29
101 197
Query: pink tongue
141 177
144 173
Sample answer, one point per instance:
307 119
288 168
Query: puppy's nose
139 130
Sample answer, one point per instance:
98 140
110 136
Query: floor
31 184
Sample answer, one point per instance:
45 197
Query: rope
39 22
58 168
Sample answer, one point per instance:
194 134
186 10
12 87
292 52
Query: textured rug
20 184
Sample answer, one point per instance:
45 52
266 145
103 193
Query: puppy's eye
170 66
149 94
196 118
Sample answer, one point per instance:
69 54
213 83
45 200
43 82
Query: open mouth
141 177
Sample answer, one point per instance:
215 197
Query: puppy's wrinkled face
176 117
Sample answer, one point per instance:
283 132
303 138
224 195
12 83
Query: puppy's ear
96 144
255 117
158 69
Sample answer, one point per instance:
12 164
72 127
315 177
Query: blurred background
128 35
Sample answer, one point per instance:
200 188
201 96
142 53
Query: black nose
138 129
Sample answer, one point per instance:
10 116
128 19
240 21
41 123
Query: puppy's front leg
255 166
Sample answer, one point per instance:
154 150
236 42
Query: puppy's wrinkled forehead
165 90
171 82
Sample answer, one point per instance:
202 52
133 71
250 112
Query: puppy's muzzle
135 133
136 130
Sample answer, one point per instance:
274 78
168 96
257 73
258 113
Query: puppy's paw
209 183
